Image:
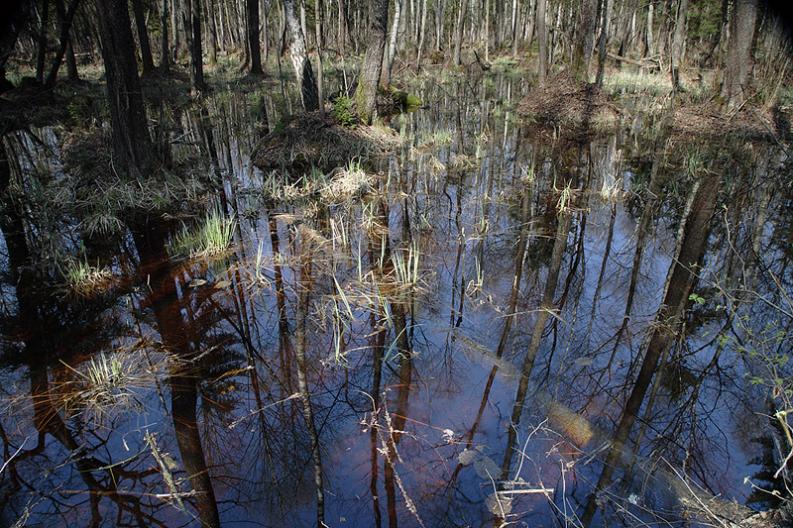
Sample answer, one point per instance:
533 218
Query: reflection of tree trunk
641 241
285 347
182 381
520 257
691 247
602 274
559 246
304 293
397 425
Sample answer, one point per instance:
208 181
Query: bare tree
369 78
739 53
304 73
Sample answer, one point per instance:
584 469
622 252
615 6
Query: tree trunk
585 42
252 12
17 14
677 44
165 59
389 63
739 53
369 78
143 36
65 23
604 26
304 73
213 32
318 37
422 33
42 50
648 37
542 41
192 25
458 41
130 135
514 28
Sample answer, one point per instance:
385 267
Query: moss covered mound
312 140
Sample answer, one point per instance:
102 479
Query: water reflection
492 325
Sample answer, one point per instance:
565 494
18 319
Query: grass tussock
210 238
85 280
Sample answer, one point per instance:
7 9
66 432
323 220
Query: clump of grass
348 181
105 383
210 238
86 280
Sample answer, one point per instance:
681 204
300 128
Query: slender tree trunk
514 28
369 78
304 73
143 37
41 57
318 37
422 33
585 42
213 32
193 29
739 53
648 36
604 21
458 41
165 58
65 23
130 135
252 12
677 44
18 13
392 45
542 41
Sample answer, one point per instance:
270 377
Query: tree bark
304 73
739 53
193 30
458 41
542 41
389 62
41 56
369 78
65 22
585 43
318 38
143 36
677 44
129 132
165 59
252 12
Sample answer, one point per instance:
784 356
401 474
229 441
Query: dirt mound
310 140
710 120
565 103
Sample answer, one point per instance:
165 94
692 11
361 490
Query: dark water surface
470 316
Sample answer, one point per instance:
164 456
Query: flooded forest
396 263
